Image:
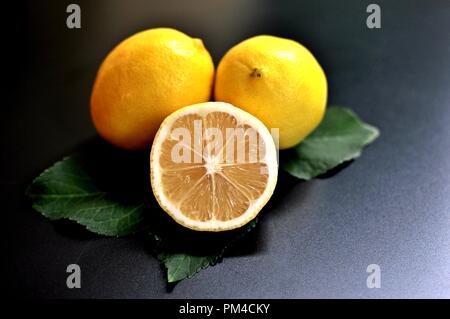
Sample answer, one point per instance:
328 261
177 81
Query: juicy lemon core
213 166
144 79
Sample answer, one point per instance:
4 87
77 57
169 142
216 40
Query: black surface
390 207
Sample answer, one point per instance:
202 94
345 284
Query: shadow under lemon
125 177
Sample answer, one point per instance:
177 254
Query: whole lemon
277 80
144 79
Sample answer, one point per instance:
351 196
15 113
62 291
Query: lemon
277 80
144 79
213 166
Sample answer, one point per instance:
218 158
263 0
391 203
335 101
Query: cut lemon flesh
213 166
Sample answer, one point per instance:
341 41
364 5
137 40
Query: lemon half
218 187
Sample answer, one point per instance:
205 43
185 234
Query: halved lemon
213 166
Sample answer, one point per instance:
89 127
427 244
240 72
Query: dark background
390 207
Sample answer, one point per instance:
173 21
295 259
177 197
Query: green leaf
182 265
68 190
339 138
